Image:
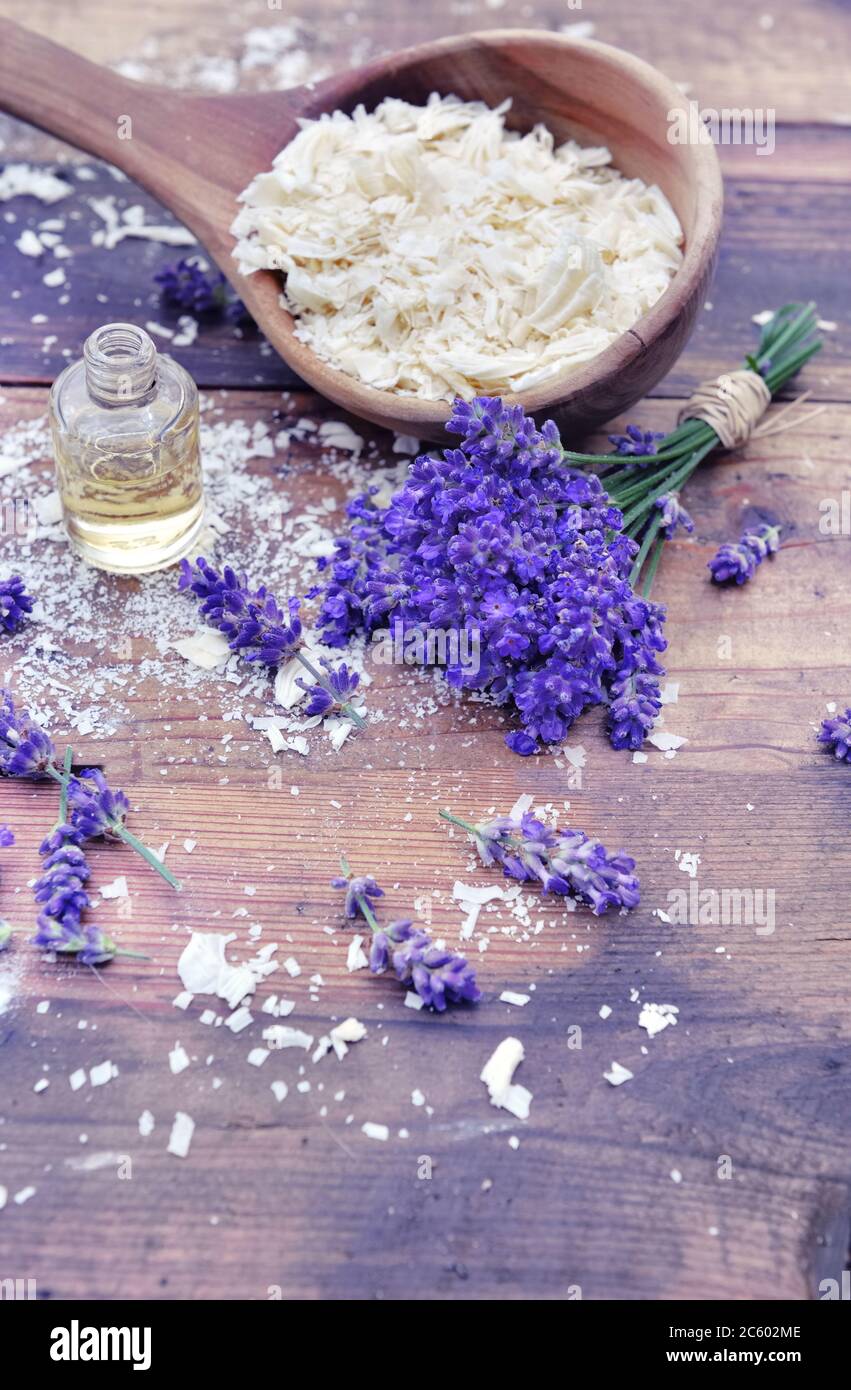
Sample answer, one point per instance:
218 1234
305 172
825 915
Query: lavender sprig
835 735
739 561
61 892
27 751
567 862
15 604
674 514
332 697
547 556
438 976
257 627
190 284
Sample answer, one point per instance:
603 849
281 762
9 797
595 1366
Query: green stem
650 574
63 796
120 829
508 840
672 483
362 902
649 538
147 854
456 820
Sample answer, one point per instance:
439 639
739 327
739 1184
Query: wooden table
747 1098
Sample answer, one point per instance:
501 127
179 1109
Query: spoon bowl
196 154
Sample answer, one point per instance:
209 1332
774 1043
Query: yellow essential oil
125 437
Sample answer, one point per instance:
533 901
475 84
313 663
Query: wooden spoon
197 153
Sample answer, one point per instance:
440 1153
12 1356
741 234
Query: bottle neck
121 365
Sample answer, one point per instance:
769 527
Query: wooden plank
288 1197
780 241
787 56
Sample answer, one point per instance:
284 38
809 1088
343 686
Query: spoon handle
87 105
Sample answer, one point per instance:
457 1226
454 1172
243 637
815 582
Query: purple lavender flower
7 836
740 561
522 743
359 893
330 698
25 749
192 285
386 941
255 626
674 514
636 441
634 709
60 889
438 976
499 537
835 734
60 836
567 862
95 810
15 604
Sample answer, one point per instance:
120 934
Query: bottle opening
121 364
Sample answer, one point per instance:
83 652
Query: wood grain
755 1069
797 65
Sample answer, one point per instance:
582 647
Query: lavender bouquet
543 556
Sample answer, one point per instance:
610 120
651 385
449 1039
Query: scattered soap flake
618 1074
655 1017
374 1131
508 996
178 1059
498 1073
280 1035
665 742
181 1134
116 889
25 180
29 245
356 957
206 648
102 1073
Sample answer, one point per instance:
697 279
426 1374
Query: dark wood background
758 1068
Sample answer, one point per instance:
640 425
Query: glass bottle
125 436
